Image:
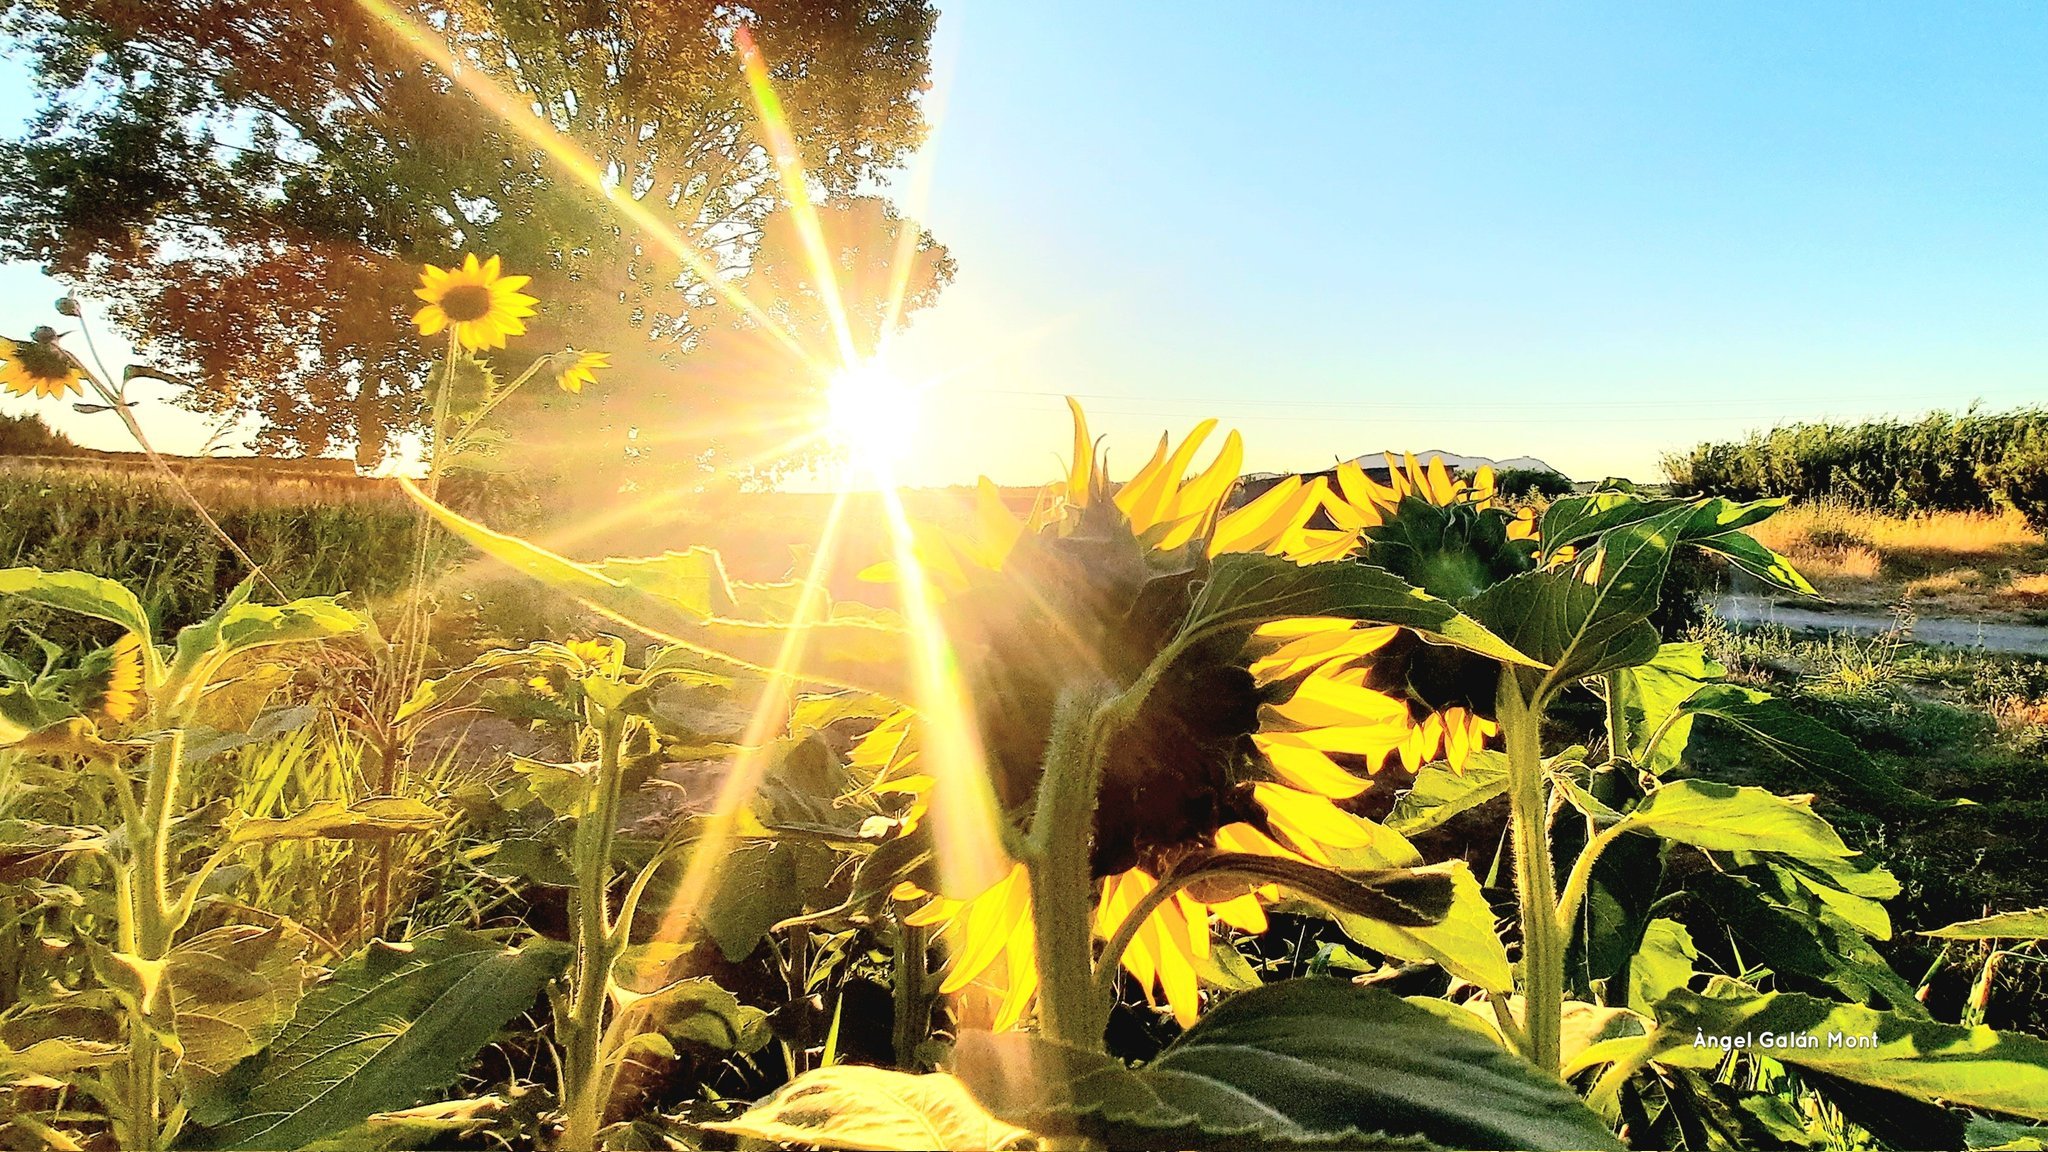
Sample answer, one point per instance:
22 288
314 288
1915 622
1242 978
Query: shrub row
1973 462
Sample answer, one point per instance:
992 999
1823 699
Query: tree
252 184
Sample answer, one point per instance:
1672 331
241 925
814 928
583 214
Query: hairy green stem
1618 734
586 1083
1581 876
1062 889
1535 886
409 653
148 922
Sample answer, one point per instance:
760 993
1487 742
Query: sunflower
484 306
38 367
583 370
120 690
1222 755
1443 533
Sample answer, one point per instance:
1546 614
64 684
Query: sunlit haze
1586 233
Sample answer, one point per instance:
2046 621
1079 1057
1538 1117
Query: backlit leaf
856 1107
1926 1059
392 1026
1320 1063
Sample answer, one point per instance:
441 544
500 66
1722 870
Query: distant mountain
1377 461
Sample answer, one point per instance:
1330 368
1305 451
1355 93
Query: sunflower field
1362 813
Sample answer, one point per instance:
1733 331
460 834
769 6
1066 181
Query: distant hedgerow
1942 462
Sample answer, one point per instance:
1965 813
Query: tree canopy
253 184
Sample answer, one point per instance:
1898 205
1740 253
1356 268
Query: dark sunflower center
467 302
45 361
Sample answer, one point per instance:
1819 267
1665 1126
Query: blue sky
1590 233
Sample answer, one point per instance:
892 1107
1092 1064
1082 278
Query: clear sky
1590 233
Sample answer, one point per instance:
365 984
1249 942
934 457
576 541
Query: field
458 812
555 672
1985 565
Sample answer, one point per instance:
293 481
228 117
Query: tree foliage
252 186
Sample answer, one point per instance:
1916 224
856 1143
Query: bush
2021 480
1524 483
27 435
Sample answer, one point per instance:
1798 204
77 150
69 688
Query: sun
874 415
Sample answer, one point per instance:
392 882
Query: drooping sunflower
1445 534
484 305
1237 751
583 370
37 366
116 680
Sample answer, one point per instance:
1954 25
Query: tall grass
132 527
1943 561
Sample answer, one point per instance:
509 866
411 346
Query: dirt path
2018 639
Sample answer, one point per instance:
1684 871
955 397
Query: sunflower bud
67 306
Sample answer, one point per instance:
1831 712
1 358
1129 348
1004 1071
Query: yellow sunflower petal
1307 768
991 919
1310 823
1082 469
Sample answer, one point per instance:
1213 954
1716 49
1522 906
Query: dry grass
1949 562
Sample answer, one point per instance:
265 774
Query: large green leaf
394 1024
240 626
1724 817
1464 942
1808 744
1319 1063
78 592
233 988
2031 924
1441 792
1662 963
874 1110
685 599
1926 1059
1805 946
1246 589
1591 617
1714 525
373 818
1651 699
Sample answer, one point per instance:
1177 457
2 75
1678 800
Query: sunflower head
1445 536
112 686
1086 602
484 306
582 369
37 366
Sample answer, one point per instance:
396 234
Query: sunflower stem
1062 887
1535 883
586 1079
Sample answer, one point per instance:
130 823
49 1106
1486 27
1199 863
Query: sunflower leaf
1245 589
1592 618
1408 897
683 598
391 1026
851 1106
1319 1063
1808 744
1920 1058
2031 924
